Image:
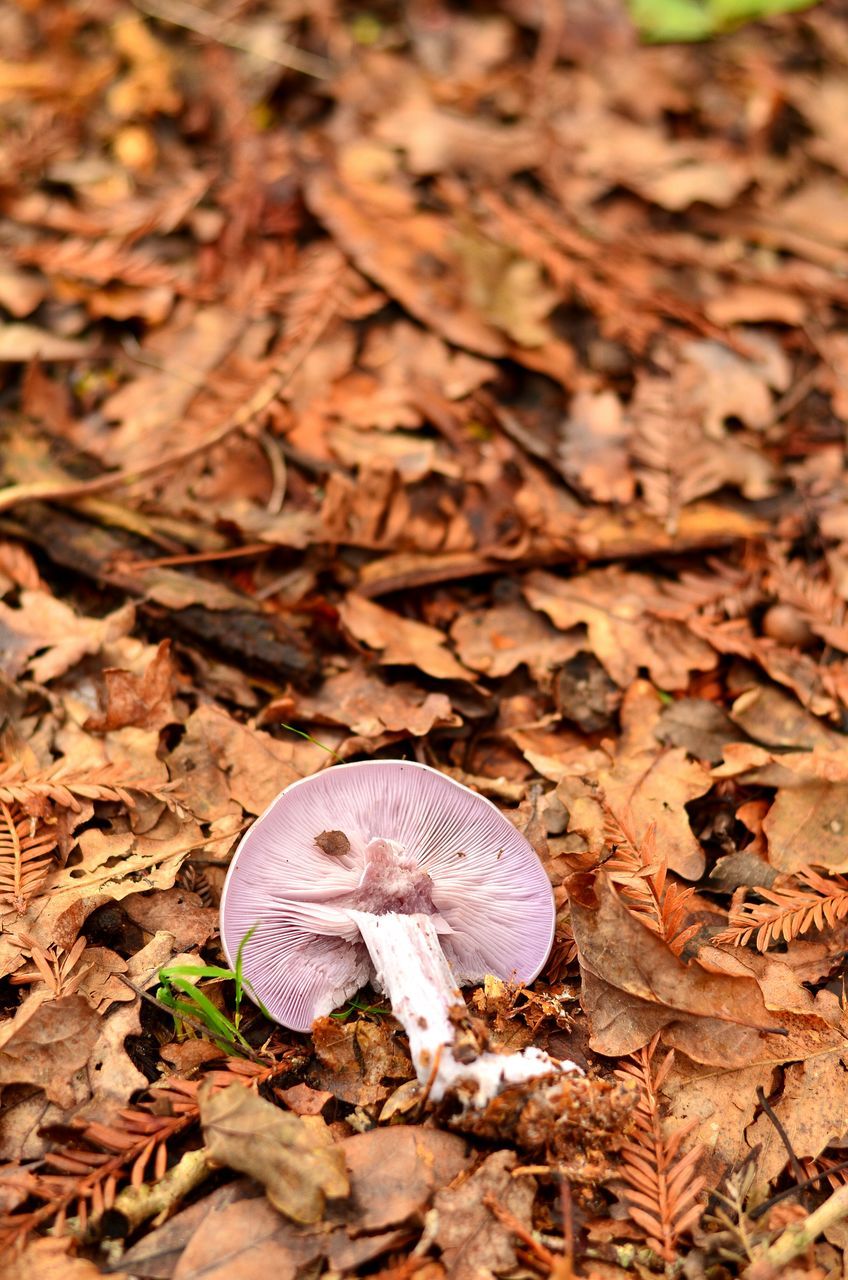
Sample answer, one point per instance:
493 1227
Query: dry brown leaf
394 1172
224 766
147 406
624 633
403 641
811 1109
20 343
475 1245
356 1058
593 451
45 1044
723 1104
294 1158
359 699
496 641
53 1259
144 701
45 636
436 140
634 985
645 786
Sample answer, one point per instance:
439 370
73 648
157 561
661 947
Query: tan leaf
46 1043
295 1161
144 701
359 699
43 623
811 1109
403 641
624 634
495 641
634 986
645 786
474 1243
357 1058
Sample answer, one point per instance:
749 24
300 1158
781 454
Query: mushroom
391 872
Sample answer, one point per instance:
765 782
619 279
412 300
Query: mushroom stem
412 970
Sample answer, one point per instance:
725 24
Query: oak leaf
615 606
403 641
47 637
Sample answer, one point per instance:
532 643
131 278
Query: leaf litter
464 389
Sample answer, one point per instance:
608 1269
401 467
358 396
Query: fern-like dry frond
662 1186
811 901
813 595
25 856
642 876
65 786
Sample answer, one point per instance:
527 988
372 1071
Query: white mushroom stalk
391 872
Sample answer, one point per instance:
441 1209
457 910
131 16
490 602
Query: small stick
508 1219
798 1237
781 1133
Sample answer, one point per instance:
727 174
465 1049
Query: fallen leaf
623 632
45 1044
46 636
645 786
49 1259
295 1161
144 701
395 1171
593 450
403 641
20 343
475 1244
496 641
811 1110
436 140
356 1058
225 766
359 699
390 242
634 986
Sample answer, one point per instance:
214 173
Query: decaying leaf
292 1156
46 636
474 1242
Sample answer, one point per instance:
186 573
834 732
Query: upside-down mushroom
391 872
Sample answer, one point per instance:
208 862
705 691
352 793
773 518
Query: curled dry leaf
403 641
293 1157
45 1044
646 785
620 612
634 986
359 699
142 701
47 637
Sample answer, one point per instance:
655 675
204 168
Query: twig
274 384
152 1199
799 1186
508 1219
798 1237
781 1133
179 13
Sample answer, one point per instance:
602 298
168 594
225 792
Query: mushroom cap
493 899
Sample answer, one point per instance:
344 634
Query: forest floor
462 385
